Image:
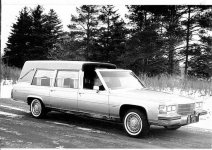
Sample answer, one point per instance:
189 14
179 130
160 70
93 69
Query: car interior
91 79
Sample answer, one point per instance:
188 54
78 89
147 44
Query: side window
91 79
67 79
43 78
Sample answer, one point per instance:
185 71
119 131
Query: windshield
121 80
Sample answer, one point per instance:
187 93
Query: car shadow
102 125
86 122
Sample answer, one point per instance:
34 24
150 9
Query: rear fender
31 97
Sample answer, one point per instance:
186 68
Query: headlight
163 109
174 108
198 105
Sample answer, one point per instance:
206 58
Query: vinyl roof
75 65
59 64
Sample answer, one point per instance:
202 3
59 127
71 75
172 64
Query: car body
102 91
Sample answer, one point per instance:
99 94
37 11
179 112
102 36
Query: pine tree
84 27
119 33
19 41
200 62
34 37
53 30
172 33
144 52
67 48
192 28
111 34
38 50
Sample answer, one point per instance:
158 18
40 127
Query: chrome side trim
169 118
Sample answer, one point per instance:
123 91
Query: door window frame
37 69
102 80
71 70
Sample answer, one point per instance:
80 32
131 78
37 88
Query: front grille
186 109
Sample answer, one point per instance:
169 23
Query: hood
153 96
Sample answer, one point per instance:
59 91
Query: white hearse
101 90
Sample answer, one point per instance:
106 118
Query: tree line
150 39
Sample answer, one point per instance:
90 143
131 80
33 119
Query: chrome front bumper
169 120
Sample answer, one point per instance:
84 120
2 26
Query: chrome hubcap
36 108
133 123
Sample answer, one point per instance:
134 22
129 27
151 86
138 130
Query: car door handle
52 90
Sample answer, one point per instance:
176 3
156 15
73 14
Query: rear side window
43 78
67 79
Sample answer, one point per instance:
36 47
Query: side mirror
96 88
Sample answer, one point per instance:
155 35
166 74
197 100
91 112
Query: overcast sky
64 8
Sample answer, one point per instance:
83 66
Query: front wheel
135 123
37 108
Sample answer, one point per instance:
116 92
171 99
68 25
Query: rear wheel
37 108
135 123
174 127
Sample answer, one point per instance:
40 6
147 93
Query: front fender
115 103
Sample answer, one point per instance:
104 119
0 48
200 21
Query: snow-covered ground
205 121
5 89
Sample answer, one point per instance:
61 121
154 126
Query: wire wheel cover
36 108
133 123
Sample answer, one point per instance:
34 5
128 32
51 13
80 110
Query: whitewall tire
37 108
135 123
